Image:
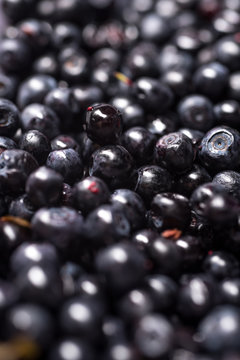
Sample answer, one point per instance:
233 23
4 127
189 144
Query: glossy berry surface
103 124
220 148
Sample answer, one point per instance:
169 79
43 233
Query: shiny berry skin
21 207
230 180
15 55
37 144
174 152
143 238
132 113
90 193
81 318
140 144
162 290
161 125
62 142
151 180
30 321
34 89
154 336
86 95
165 255
131 204
59 225
15 166
46 64
40 285
228 52
40 117
121 265
220 149
29 254
74 69
152 94
9 118
189 181
105 225
211 80
135 304
113 164
230 291
8 86
196 112
221 265
9 296
216 334
65 34
193 288
227 113
44 187
169 211
61 101
233 85
179 81
66 162
35 33
192 251
201 196
103 124
79 350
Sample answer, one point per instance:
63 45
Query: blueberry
75 68
228 52
106 224
165 255
152 94
61 225
15 55
191 180
37 144
196 112
42 118
62 142
61 101
21 207
39 285
154 28
103 124
34 89
9 118
80 318
121 265
151 180
143 238
230 291
233 85
211 80
154 336
216 334
44 187
192 289
221 265
162 290
219 149
36 33
140 144
162 124
8 85
230 180
179 81
31 321
66 162
33 254
64 34
79 350
169 211
90 193
174 152
15 167
227 112
132 206
113 164
135 304
46 64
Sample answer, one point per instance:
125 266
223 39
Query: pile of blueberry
120 180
